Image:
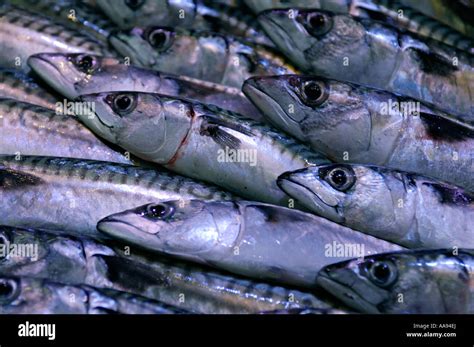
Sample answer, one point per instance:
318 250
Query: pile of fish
257 156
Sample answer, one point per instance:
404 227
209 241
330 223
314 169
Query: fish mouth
50 73
345 293
306 196
276 32
119 42
271 110
96 124
119 229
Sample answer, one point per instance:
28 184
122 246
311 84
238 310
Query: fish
404 208
27 129
407 282
200 141
73 75
377 55
22 295
456 14
391 12
69 196
350 123
189 14
76 261
75 14
16 85
257 240
203 55
38 34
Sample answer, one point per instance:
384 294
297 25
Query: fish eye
9 290
160 39
159 211
134 4
318 24
123 103
85 63
313 93
340 178
382 273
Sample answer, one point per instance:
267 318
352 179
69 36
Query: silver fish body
392 12
37 296
72 13
253 239
200 141
27 129
73 75
16 85
407 209
38 34
190 14
70 196
453 13
416 282
75 261
203 55
353 124
371 53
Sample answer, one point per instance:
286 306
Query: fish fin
12 179
442 128
434 63
213 127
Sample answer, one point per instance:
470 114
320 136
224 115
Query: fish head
341 191
181 227
72 74
148 125
421 281
312 39
330 115
150 47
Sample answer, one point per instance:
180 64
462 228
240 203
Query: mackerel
73 75
70 196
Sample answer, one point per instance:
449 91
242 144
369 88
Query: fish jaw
254 89
124 228
101 127
344 292
135 47
57 72
288 35
302 186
